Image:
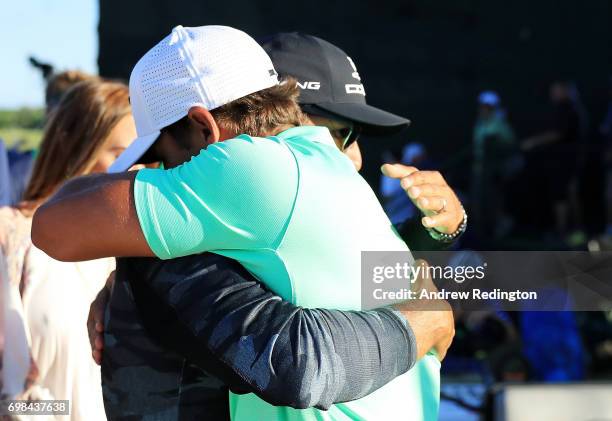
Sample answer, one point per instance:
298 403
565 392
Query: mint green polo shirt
293 211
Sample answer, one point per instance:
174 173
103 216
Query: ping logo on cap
312 85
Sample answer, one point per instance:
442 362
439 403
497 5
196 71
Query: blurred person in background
559 153
5 177
495 159
59 83
20 163
558 358
46 353
46 69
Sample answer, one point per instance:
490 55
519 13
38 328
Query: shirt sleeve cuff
411 338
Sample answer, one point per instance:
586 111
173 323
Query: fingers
97 356
95 323
431 194
443 219
91 331
424 279
397 170
99 342
96 340
97 346
417 178
110 280
431 198
438 202
440 312
425 190
432 204
447 340
422 274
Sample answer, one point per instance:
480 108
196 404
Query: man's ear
205 122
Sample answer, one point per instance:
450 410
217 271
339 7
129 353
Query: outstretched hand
429 192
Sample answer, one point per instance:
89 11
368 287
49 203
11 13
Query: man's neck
279 129
272 132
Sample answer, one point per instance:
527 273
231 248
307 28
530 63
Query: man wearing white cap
256 198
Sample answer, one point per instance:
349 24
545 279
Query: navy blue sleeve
287 355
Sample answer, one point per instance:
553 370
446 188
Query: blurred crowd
550 190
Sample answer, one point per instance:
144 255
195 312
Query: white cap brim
133 152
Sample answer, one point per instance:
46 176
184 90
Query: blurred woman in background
44 347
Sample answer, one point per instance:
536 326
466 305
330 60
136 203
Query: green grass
28 118
23 139
22 128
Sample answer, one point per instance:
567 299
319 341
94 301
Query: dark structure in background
423 59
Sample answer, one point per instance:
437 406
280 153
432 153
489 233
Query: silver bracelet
447 238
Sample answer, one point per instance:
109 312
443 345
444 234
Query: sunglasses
349 134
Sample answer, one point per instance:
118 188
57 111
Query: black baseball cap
329 83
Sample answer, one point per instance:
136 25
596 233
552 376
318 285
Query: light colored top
293 210
56 304
17 371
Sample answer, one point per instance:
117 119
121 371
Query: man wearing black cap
333 95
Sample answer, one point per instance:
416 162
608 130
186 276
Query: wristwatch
447 238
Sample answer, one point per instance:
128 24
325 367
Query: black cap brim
373 120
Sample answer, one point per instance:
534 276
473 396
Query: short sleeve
237 194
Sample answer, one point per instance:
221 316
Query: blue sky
62 32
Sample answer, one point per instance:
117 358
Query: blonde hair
75 134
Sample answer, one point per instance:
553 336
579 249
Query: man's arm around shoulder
282 348
91 217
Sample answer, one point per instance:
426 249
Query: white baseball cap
206 66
